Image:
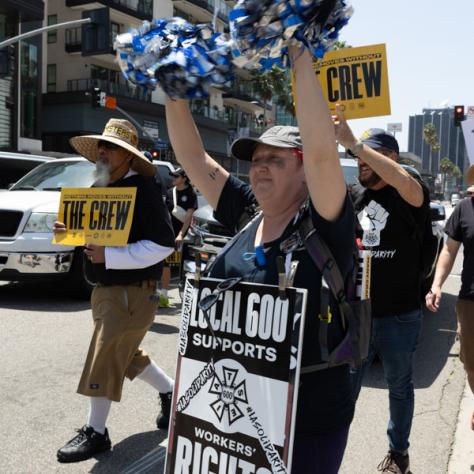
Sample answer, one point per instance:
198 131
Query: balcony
242 90
73 40
223 9
248 121
141 9
116 89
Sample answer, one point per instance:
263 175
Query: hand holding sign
344 134
95 253
59 228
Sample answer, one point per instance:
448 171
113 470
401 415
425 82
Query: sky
429 53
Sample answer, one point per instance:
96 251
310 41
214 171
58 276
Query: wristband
355 149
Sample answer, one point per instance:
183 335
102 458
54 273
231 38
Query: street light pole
28 34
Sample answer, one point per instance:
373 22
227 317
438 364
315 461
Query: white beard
101 173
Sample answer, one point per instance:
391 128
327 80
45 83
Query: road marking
154 457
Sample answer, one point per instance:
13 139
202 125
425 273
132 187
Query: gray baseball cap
283 136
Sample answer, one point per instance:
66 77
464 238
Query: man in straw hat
123 306
460 230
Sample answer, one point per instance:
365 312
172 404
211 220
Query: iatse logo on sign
230 393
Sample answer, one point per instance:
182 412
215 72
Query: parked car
206 236
13 166
27 214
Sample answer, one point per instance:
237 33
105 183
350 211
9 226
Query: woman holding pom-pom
294 173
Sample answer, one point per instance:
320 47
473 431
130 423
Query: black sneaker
395 462
86 444
163 420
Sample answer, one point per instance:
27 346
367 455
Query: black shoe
395 462
86 444
163 420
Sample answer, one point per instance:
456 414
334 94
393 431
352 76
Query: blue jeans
394 339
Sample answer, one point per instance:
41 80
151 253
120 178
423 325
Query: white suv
27 214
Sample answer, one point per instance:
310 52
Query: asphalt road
43 341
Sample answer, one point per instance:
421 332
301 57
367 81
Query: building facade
20 85
450 138
69 77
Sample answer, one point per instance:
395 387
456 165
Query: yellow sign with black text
356 78
101 216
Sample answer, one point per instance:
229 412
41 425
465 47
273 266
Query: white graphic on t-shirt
373 219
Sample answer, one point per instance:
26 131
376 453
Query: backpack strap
332 281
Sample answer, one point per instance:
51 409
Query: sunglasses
210 300
107 145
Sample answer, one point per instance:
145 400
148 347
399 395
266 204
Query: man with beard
387 230
123 307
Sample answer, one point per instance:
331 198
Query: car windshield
54 175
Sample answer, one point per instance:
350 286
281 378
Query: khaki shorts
465 315
122 316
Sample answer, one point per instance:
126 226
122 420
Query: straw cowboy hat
122 133
470 175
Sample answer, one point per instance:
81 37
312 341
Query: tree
447 167
273 83
430 135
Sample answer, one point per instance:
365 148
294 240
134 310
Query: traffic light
155 154
96 37
458 114
97 97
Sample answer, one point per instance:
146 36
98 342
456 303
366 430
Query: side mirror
437 214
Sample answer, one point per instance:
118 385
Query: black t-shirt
460 227
396 252
151 221
324 402
186 199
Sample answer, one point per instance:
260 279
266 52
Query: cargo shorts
122 316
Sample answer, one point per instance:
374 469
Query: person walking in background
122 301
395 276
182 202
460 230
294 174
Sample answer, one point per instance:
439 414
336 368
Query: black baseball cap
178 172
283 136
379 138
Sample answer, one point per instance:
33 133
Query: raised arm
388 169
205 173
323 171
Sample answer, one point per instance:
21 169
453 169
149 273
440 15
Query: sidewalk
462 454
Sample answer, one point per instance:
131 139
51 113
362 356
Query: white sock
164 292
154 376
98 413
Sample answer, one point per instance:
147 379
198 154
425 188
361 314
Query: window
52 35
51 78
114 31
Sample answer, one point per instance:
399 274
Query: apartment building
69 77
20 82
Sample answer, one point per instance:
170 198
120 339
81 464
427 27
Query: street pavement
43 341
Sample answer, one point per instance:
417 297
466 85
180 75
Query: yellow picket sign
102 216
356 78
174 258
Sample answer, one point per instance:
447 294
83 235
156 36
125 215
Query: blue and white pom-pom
263 29
184 59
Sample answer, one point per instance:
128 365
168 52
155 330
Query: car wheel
79 286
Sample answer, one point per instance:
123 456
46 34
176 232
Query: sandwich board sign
236 386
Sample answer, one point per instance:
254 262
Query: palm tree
446 167
273 83
430 135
